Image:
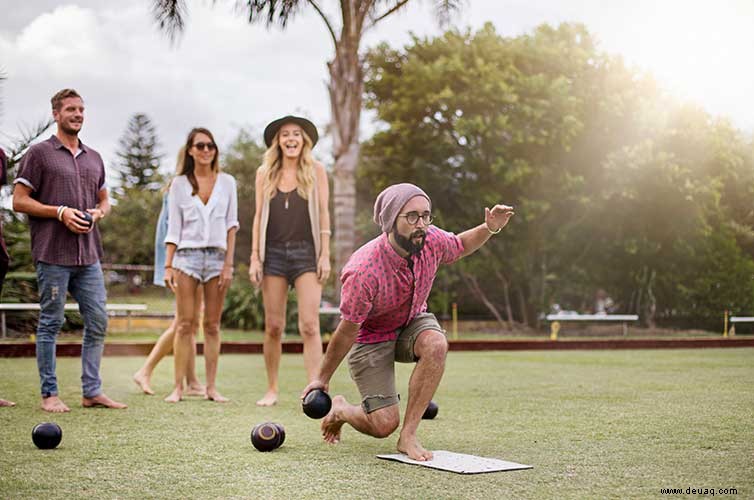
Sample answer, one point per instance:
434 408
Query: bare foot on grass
174 396
196 389
143 382
54 404
410 446
269 399
5 402
215 396
102 401
332 423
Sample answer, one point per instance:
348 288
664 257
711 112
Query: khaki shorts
372 366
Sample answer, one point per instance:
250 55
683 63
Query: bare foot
332 423
5 402
102 401
269 399
143 382
410 446
215 396
54 404
174 396
196 389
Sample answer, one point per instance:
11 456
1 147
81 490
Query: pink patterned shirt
382 293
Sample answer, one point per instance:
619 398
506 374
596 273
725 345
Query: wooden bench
557 318
111 308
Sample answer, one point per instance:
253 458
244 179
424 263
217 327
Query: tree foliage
615 185
241 160
139 159
128 233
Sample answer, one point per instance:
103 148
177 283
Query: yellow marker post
554 329
725 324
455 321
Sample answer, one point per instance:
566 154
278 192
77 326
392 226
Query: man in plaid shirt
61 187
384 317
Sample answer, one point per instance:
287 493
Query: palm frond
446 10
19 145
272 12
170 16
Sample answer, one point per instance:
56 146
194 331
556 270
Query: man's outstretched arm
494 220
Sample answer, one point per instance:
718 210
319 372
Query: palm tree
28 134
346 86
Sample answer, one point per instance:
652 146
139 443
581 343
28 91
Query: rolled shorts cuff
379 401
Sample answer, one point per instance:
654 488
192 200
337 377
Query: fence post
455 321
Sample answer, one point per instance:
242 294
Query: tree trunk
506 298
522 305
473 285
651 300
345 89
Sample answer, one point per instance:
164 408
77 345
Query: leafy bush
244 308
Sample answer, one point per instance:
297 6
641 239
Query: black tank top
289 218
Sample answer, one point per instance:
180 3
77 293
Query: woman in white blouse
201 238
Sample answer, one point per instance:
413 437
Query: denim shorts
202 264
289 259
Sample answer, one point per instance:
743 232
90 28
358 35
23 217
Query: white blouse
192 224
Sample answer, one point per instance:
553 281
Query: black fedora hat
272 129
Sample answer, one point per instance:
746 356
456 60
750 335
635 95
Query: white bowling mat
460 463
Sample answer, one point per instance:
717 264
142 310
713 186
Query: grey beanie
390 202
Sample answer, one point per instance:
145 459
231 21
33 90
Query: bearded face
413 243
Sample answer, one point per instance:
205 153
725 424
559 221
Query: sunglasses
201 146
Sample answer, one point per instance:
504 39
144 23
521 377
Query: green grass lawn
594 424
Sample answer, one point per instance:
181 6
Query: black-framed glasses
413 217
201 146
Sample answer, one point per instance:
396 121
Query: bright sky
225 73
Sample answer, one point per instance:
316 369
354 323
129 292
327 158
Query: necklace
286 199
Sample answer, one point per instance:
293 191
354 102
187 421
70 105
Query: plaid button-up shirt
56 178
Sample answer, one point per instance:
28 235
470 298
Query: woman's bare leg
193 386
185 312
162 348
309 294
214 297
275 297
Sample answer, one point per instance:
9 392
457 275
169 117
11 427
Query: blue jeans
87 285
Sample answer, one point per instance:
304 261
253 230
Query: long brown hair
186 161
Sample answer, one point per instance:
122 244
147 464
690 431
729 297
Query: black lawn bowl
316 404
88 218
46 435
281 430
431 411
267 436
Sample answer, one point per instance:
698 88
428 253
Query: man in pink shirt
384 316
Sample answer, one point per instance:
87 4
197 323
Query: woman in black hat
290 243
